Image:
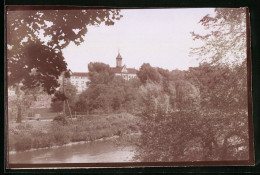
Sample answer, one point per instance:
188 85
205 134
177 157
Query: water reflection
92 152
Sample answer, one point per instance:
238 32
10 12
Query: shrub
61 120
62 131
192 135
61 137
78 136
23 126
133 128
41 140
23 143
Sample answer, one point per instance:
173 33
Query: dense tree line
159 87
106 92
200 114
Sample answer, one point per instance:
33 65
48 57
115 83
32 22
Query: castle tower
118 60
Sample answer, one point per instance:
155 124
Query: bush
61 131
61 120
23 126
79 136
61 137
193 135
23 143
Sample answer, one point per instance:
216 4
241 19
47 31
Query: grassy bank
41 134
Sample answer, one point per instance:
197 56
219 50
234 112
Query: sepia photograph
100 85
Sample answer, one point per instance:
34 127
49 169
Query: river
88 152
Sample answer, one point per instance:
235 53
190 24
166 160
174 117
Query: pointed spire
119 56
118 60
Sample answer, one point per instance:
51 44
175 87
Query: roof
119 70
119 56
116 69
131 70
79 74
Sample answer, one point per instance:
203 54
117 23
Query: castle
123 71
80 79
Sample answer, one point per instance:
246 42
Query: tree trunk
19 114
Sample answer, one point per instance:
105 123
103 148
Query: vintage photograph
93 85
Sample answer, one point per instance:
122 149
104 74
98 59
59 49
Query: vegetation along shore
43 134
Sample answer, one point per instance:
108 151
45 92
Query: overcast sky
160 37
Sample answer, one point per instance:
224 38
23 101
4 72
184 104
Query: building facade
79 79
123 71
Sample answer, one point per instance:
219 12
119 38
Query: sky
160 37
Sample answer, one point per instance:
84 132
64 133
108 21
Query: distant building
79 79
123 71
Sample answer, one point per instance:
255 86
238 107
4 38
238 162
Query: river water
88 152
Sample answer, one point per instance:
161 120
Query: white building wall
126 76
79 82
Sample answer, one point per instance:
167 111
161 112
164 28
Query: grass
40 134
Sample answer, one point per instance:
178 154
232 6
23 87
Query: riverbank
120 141
99 151
43 134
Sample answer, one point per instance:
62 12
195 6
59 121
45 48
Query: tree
35 39
100 73
70 94
225 41
147 72
224 51
107 92
221 78
187 96
22 101
192 134
154 100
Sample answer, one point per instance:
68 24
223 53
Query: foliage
220 86
61 120
35 39
25 136
154 100
100 73
210 120
106 92
195 115
193 136
187 95
70 94
179 93
22 101
146 73
222 76
225 41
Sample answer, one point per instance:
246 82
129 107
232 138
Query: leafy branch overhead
224 38
35 40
